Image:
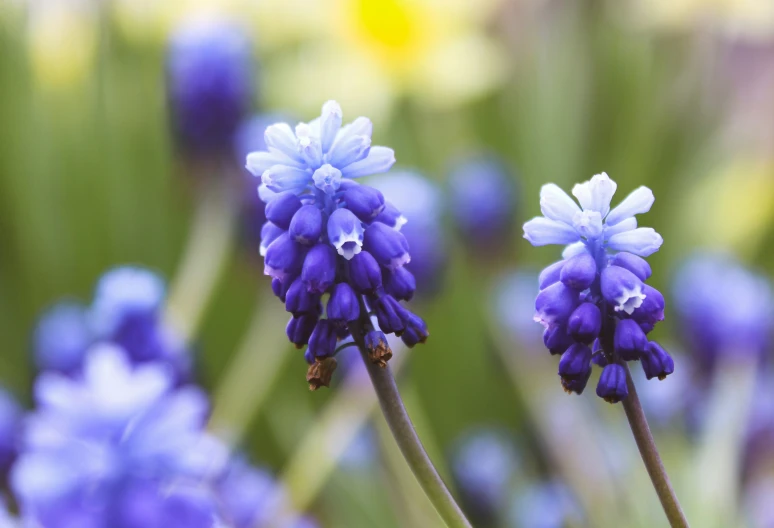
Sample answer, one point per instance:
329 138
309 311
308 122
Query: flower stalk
406 436
650 456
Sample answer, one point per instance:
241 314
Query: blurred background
123 130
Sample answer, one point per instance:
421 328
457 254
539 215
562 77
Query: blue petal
639 201
379 160
541 231
349 150
284 178
330 123
258 162
643 241
280 137
308 146
557 205
595 194
620 227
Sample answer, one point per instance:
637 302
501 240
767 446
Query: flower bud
319 270
557 339
415 330
579 271
299 301
299 329
366 202
629 340
637 265
379 351
555 304
284 259
656 362
306 225
389 247
391 217
400 283
575 368
282 207
390 315
322 342
612 383
343 304
365 274
585 323
550 275
269 233
651 311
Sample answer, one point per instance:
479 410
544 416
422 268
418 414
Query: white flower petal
280 136
595 194
639 201
557 205
330 123
574 249
541 231
643 241
379 160
625 225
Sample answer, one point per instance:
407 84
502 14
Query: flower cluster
327 234
724 308
122 445
597 292
126 310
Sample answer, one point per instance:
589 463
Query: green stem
650 455
407 439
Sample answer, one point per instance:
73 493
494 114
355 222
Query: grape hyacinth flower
596 307
210 85
117 446
482 200
594 303
724 308
483 463
328 235
126 310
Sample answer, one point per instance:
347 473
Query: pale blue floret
593 226
318 154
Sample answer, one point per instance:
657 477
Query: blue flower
126 310
10 424
117 446
548 504
596 295
482 200
210 85
483 463
328 234
724 308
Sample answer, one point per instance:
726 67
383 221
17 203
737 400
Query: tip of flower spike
320 373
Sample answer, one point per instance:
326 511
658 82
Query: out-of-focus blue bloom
514 304
62 336
126 310
545 505
483 463
418 199
482 200
210 84
724 308
602 273
117 446
353 240
251 497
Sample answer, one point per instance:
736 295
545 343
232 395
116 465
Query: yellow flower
366 53
62 43
751 18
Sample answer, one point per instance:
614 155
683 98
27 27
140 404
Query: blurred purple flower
117 446
547 504
126 310
483 200
724 308
483 463
210 84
